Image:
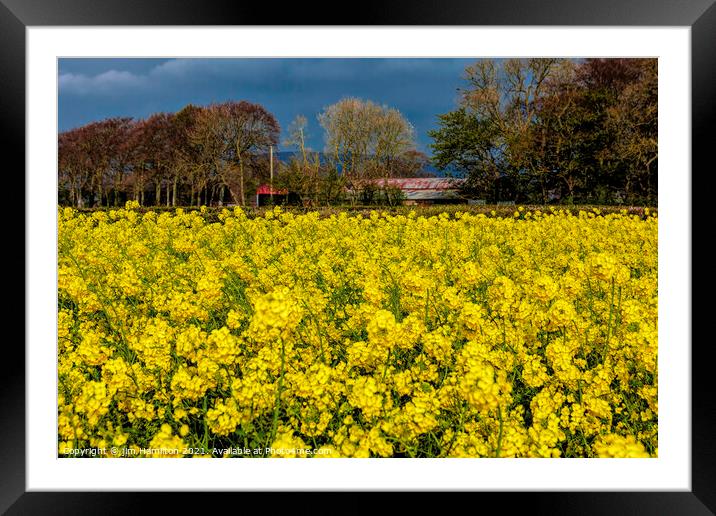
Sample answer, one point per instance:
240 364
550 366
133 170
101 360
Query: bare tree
154 151
302 174
231 134
505 95
364 139
394 137
634 119
73 167
92 156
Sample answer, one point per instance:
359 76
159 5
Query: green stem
277 406
609 323
387 363
205 441
499 435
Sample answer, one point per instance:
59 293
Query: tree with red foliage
231 135
92 159
153 153
187 158
73 169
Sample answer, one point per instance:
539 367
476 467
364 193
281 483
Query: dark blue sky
92 89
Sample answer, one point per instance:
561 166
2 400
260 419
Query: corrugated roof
422 183
426 195
414 188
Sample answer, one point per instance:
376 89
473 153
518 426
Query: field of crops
376 335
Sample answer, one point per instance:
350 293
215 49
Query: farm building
265 195
427 190
415 190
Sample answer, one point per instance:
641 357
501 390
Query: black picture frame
17 15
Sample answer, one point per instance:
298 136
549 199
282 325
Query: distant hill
285 157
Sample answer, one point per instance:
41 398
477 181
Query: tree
231 135
468 145
364 140
200 157
297 136
488 137
73 166
411 163
153 154
603 83
188 164
347 133
93 157
540 129
561 133
634 120
394 138
598 126
505 96
301 175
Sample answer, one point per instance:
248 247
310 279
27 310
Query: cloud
248 71
109 82
262 74
186 72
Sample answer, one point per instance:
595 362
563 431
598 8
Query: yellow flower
612 445
395 334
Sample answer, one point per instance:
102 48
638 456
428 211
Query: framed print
49 49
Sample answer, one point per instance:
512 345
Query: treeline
220 154
555 130
195 156
525 130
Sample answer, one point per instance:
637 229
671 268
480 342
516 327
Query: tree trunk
174 191
241 182
98 201
235 197
168 196
158 194
117 182
315 179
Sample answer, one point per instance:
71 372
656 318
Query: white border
670 471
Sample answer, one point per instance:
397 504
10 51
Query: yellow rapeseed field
348 336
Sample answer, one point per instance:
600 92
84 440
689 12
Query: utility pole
271 169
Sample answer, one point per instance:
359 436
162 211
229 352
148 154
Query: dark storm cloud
92 89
